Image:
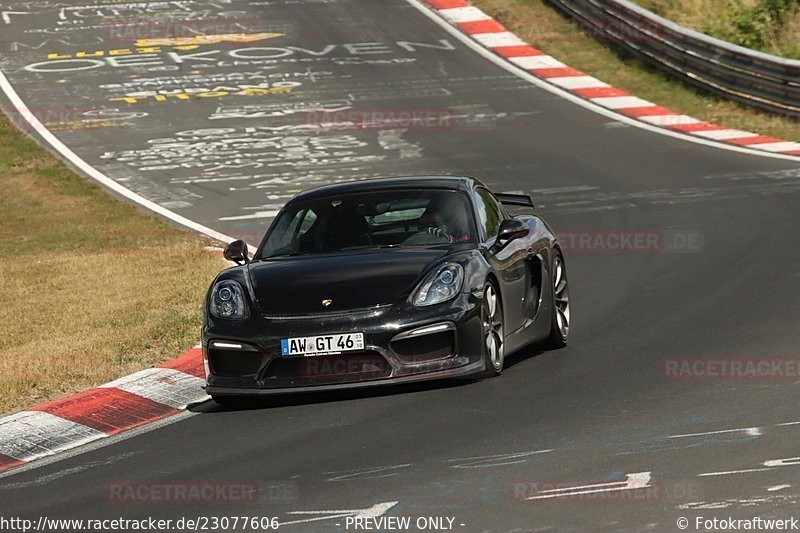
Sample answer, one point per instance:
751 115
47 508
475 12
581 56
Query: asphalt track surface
593 413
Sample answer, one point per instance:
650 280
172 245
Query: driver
446 217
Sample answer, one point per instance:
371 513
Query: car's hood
351 280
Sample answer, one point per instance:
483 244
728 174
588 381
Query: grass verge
90 288
544 27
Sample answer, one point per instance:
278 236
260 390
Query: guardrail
762 80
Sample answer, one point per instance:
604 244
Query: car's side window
490 212
288 236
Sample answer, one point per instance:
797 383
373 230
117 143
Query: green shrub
754 24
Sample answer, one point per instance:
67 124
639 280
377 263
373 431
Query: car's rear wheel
493 339
559 329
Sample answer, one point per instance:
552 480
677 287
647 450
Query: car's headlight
227 300
441 285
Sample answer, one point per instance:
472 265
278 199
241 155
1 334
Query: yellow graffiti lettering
254 92
153 46
99 53
208 39
126 99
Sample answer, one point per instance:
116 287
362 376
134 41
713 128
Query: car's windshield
373 219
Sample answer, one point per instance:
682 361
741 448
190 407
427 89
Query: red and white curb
123 404
495 37
98 413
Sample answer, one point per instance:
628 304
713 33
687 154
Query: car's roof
455 183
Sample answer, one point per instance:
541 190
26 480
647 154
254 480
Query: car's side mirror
236 252
511 229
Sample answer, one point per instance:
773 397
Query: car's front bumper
402 345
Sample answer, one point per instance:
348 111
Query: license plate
323 344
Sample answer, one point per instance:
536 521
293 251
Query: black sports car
384 281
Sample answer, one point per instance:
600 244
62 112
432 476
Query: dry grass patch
90 288
540 24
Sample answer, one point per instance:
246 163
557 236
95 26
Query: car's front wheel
493 339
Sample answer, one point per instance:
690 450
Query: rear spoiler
516 200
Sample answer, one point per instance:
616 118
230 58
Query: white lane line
730 472
47 478
375 511
749 431
489 461
706 505
366 473
501 62
95 174
252 216
792 461
778 487
639 480
790 424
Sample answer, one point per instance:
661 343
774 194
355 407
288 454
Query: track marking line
375 511
754 431
730 472
778 487
364 473
639 480
490 461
